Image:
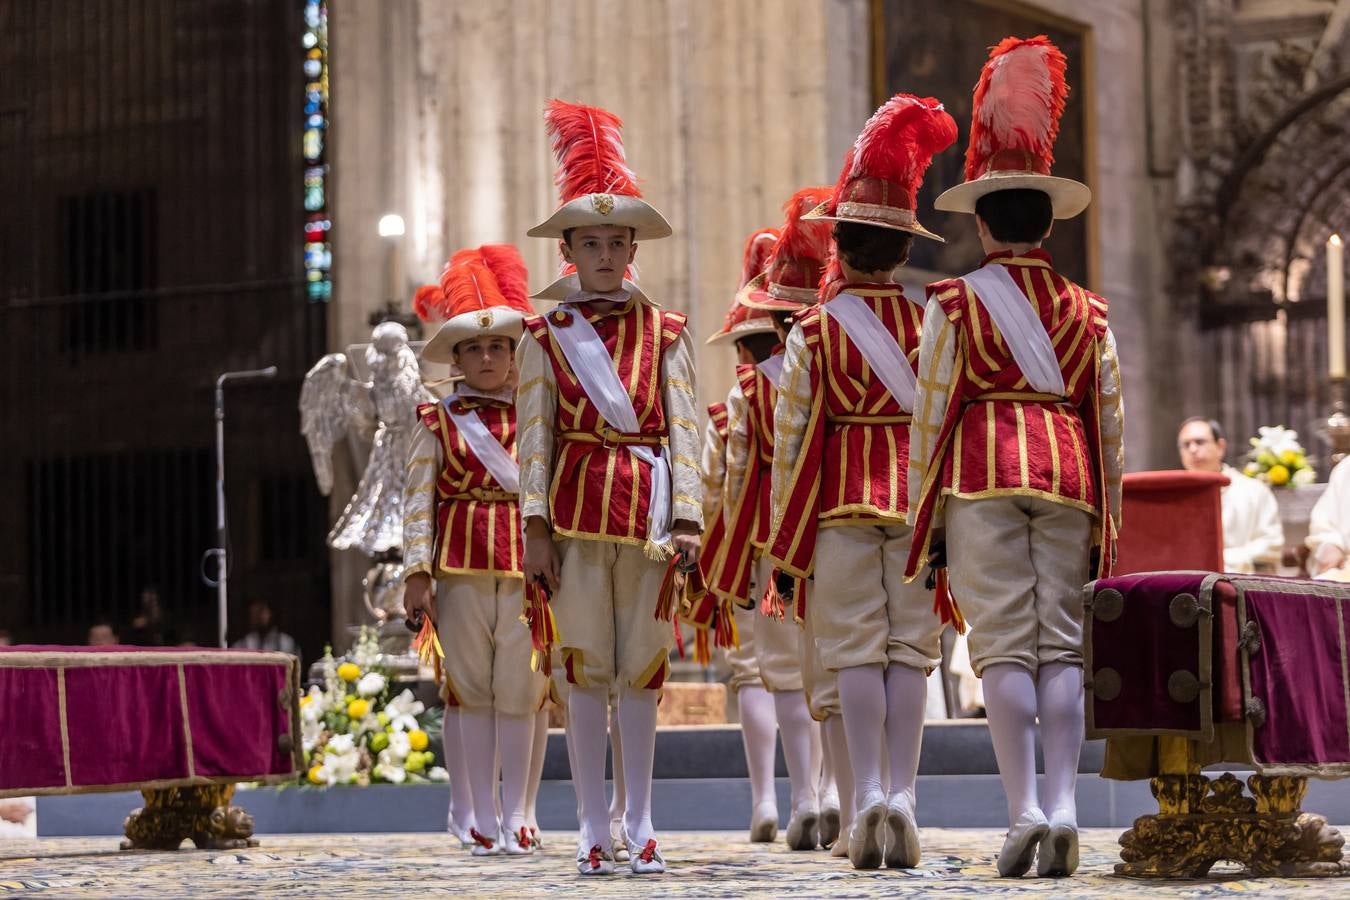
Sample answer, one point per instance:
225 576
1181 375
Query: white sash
773 369
494 457
594 368
1015 317
877 345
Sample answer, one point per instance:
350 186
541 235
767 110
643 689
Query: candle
1336 305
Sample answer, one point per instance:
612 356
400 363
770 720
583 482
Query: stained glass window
314 139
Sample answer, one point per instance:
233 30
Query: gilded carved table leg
202 813
1201 822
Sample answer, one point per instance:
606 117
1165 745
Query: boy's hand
541 561
687 540
418 600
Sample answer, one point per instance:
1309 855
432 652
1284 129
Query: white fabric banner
494 457
773 369
1015 317
594 368
877 345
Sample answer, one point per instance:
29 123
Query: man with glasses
1252 532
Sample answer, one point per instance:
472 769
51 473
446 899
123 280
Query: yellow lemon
349 671
417 739
357 709
1289 457
1278 475
314 775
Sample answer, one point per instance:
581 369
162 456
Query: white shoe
764 824
616 841
536 839
595 861
484 845
866 837
1019 848
902 833
803 831
518 842
644 859
829 819
460 834
1058 853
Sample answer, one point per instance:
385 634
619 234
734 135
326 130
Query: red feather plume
588 145
799 239
1018 104
480 277
429 303
898 143
758 249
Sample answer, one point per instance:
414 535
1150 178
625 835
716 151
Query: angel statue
334 405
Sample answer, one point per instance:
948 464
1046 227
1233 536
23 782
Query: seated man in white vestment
1329 527
1252 531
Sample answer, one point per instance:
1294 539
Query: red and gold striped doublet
477 521
997 436
850 467
600 488
748 515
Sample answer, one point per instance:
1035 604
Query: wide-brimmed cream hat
1014 122
492 321
595 185
482 293
884 168
791 280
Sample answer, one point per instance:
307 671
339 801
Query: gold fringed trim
187 722
65 728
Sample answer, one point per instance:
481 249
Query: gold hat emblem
603 203
484 318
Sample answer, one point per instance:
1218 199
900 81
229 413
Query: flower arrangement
356 733
1278 459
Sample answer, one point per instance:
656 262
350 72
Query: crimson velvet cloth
1268 654
75 719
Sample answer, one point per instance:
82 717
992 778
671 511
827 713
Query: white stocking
906 696
1010 699
461 798
480 753
759 729
795 726
1059 701
637 724
537 754
515 742
833 731
862 697
587 722
617 798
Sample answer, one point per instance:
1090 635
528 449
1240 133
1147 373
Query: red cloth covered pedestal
80 719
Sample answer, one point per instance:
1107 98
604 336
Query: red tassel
671 586
702 647
772 603
724 631
944 604
543 629
679 638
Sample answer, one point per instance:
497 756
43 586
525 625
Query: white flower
1303 477
438 773
340 760
391 773
403 711
371 683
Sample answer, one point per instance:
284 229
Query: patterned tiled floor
956 862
